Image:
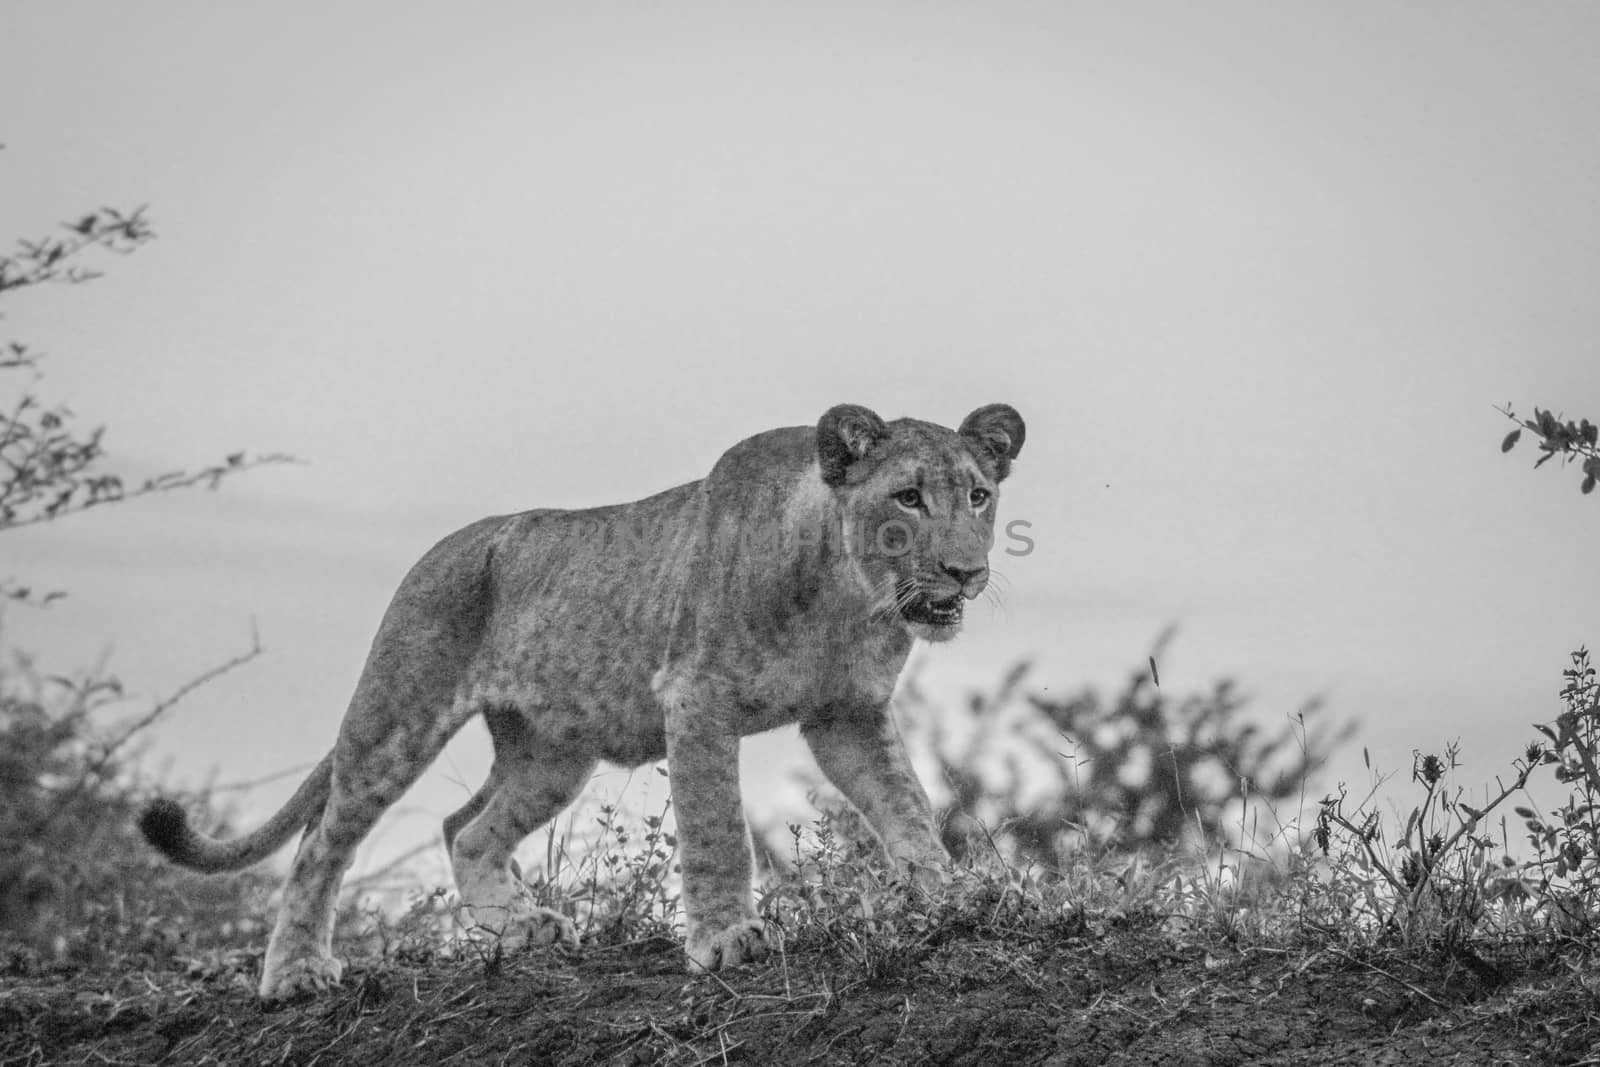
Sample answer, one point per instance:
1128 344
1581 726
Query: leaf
1588 484
1510 440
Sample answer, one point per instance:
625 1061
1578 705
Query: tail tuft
166 826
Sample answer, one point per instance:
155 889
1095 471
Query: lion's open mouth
933 612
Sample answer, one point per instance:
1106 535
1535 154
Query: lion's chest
817 677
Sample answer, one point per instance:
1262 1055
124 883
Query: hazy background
1255 274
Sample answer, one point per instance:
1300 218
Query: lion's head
918 504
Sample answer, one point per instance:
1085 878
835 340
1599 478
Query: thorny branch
48 467
96 768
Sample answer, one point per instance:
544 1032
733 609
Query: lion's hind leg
527 788
368 778
404 710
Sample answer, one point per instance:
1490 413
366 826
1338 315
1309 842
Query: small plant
1566 870
625 888
841 896
419 933
617 880
1445 875
1436 879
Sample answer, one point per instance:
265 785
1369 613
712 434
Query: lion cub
786 586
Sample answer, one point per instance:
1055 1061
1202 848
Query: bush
77 880
1046 775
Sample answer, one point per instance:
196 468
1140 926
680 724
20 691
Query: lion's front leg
703 767
865 758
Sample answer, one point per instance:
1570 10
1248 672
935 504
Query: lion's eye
979 497
911 499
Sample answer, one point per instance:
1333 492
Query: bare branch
48 259
371 878
253 783
95 769
28 497
48 468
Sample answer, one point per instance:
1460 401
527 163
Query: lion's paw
712 949
523 924
307 976
542 926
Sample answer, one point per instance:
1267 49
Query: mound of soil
1090 994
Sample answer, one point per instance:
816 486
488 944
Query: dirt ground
1084 993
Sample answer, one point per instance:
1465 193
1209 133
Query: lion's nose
969 578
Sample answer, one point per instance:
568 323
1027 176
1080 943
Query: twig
163 706
245 786
1414 897
364 880
1393 978
97 767
210 477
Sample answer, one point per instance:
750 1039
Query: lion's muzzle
970 579
938 601
932 611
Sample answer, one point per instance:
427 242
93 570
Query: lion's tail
166 826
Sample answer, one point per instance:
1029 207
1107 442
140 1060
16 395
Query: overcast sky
1255 274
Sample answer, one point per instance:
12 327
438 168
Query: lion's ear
998 432
845 434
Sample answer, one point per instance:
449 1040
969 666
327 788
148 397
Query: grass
1279 925
1149 956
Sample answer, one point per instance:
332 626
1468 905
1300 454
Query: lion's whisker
887 604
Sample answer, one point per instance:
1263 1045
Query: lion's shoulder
766 456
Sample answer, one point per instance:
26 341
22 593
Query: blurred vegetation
76 880
1047 775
